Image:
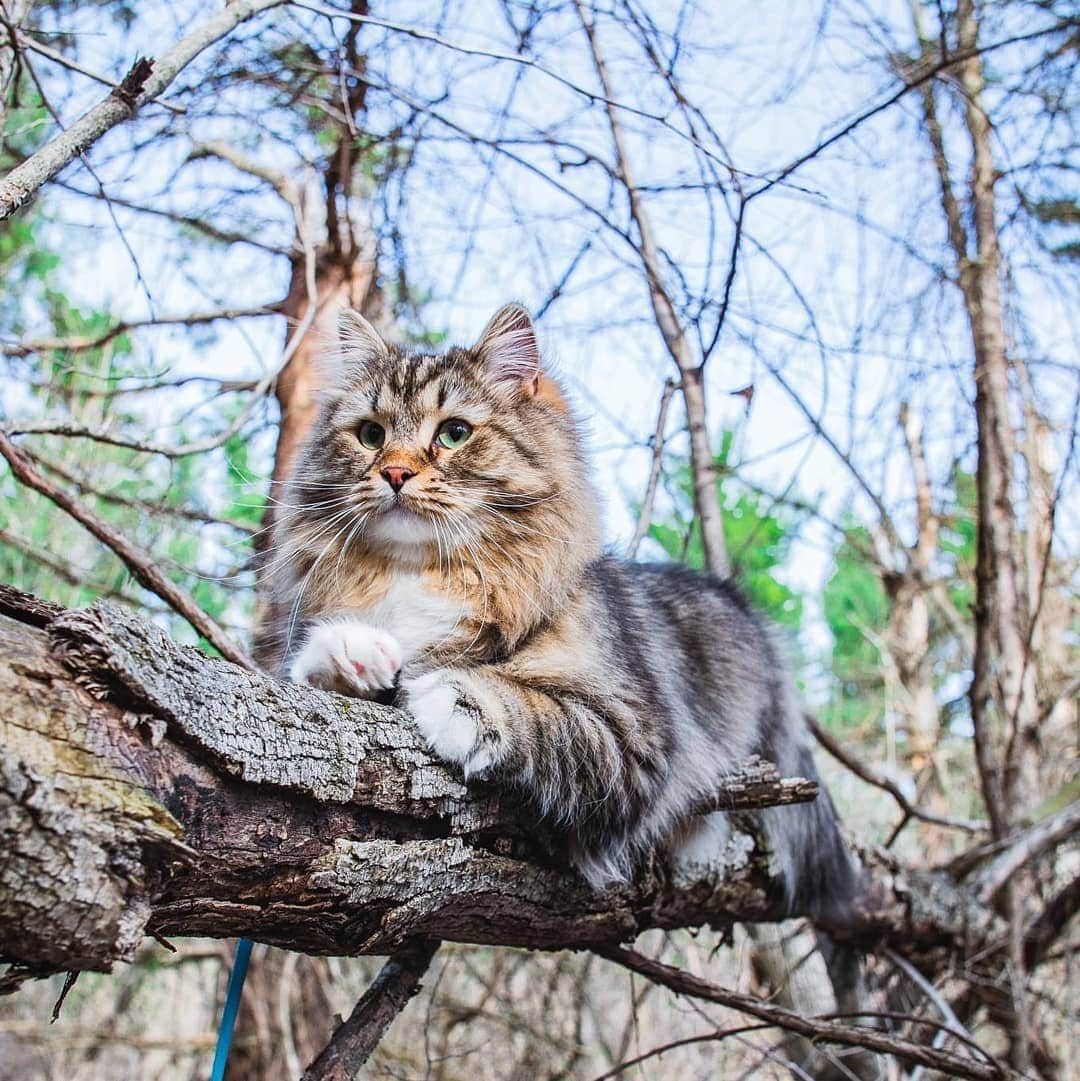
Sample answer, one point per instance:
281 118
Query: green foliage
856 606
757 532
857 610
958 537
26 127
155 502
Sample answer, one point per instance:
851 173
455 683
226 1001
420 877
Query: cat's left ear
508 348
359 341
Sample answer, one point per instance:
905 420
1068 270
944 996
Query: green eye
371 435
452 433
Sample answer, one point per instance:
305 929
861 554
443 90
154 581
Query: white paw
351 658
449 726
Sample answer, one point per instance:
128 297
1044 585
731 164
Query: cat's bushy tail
818 872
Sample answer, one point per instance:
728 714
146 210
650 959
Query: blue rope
232 1004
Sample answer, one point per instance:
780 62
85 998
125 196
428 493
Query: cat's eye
452 433
371 434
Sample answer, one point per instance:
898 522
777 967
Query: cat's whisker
290 552
313 485
519 526
291 626
357 528
506 499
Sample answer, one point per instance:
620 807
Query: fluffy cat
439 535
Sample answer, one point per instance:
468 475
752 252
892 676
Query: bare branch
146 80
657 443
673 333
1029 845
83 342
137 561
823 1029
357 1036
870 776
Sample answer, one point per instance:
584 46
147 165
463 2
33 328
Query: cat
440 537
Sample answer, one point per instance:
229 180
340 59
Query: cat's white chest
418 617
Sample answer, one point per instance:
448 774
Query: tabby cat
439 536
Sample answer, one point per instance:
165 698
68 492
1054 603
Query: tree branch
356 1037
817 1028
146 80
141 565
872 777
167 792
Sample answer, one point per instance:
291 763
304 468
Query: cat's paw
450 721
348 657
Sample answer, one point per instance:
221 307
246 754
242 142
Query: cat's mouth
403 505
402 521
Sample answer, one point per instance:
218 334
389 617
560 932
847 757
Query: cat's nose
396 476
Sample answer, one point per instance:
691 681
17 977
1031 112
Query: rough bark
148 789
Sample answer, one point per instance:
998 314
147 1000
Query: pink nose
396 476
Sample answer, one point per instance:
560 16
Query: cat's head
430 453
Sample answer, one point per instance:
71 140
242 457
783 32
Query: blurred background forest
811 273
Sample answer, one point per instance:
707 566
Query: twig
87 487
135 559
645 514
76 577
146 80
656 1052
34 46
81 342
672 331
523 60
936 998
815 1028
870 776
214 232
356 1037
924 76
1026 847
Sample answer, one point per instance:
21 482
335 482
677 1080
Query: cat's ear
508 348
358 341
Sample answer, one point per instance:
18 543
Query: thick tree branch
147 788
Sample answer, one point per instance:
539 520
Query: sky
839 281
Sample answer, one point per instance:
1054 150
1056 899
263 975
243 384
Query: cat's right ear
508 348
359 343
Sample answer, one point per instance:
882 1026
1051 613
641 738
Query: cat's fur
614 695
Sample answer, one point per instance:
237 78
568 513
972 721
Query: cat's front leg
447 705
349 657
